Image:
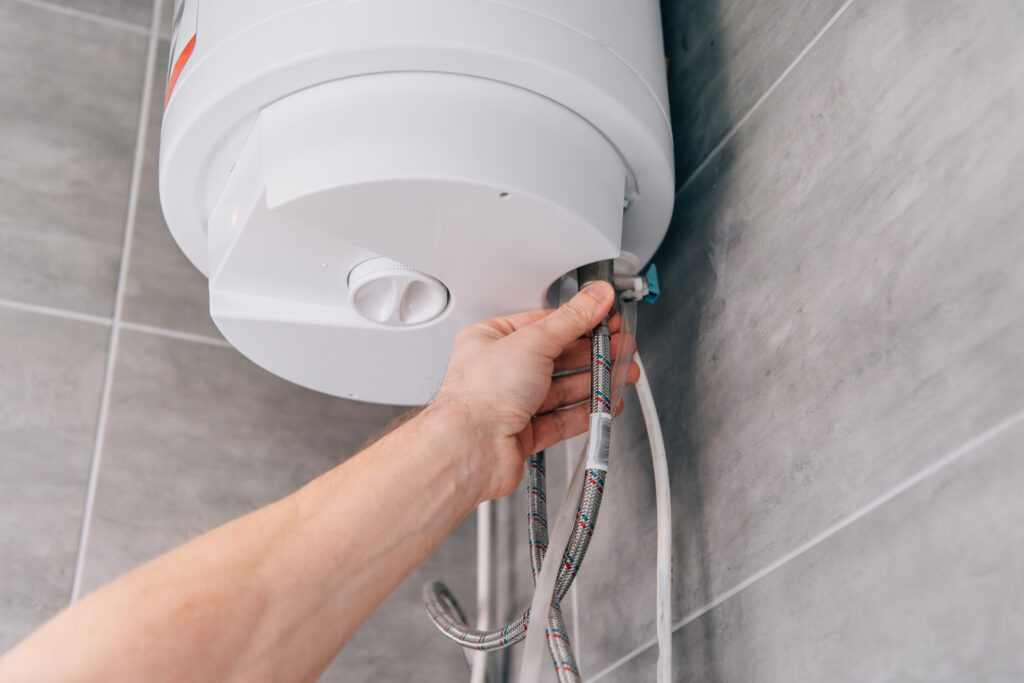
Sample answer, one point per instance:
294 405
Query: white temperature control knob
391 293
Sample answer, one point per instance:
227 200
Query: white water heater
360 179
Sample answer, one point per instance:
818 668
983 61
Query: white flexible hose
483 586
663 506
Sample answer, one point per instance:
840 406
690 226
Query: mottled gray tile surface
163 288
842 302
51 373
166 19
398 642
926 588
69 114
198 435
135 12
723 56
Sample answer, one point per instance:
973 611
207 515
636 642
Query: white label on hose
599 441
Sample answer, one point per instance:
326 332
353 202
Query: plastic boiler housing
360 179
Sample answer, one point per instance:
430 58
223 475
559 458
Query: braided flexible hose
559 645
549 581
441 605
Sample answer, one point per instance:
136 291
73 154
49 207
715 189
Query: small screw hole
503 195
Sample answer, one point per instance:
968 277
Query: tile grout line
143 328
155 330
87 16
767 93
175 334
133 202
54 312
970 446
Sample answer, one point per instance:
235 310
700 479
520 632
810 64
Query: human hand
499 381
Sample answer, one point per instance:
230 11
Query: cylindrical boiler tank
359 179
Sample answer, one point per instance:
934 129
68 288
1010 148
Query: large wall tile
163 288
723 56
137 12
167 19
51 375
925 588
69 112
198 435
841 302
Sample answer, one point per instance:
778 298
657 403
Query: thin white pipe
483 585
663 506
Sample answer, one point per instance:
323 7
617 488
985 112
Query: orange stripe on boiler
179 64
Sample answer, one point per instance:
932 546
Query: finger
634 374
559 425
577 355
614 322
507 324
550 428
570 389
551 334
565 391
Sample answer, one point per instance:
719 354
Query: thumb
575 318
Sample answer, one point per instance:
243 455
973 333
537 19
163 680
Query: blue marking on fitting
653 287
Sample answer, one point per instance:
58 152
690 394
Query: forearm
274 594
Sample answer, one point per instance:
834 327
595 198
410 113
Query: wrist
450 423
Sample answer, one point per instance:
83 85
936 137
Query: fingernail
599 290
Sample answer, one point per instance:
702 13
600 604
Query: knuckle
468 336
471 331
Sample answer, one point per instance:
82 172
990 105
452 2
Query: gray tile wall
838 356
193 434
69 109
